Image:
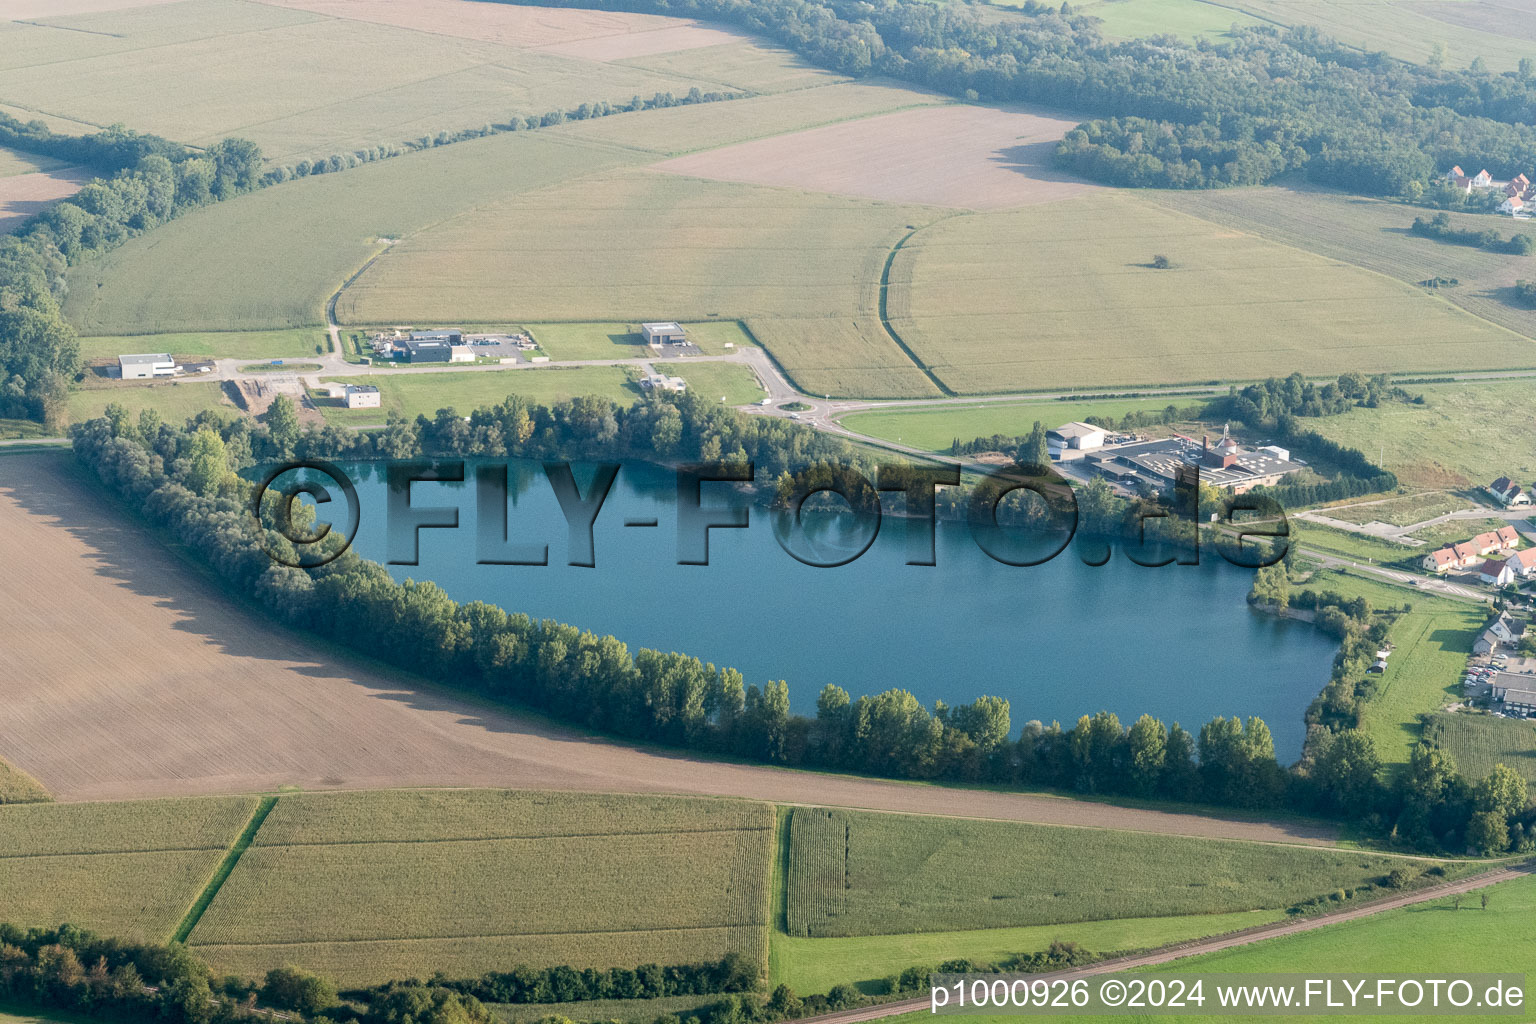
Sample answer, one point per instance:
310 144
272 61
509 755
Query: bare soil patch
127 675
25 195
514 25
962 156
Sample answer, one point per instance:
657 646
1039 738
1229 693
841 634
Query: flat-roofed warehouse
1226 464
667 332
146 365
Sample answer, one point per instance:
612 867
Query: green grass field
734 382
1357 546
123 869
218 345
631 245
1464 434
1430 940
413 394
591 341
176 401
300 83
626 1011
1403 511
854 873
1063 295
1373 234
1126 19
1478 742
17 787
935 427
299 241
815 965
1424 672
364 887
15 161
1406 30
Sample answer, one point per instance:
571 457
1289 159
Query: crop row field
801 269
1478 742
364 887
1066 294
129 870
858 873
1374 234
308 83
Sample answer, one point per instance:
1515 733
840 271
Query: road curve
1179 951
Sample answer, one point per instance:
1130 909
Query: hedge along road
1167 954
132 675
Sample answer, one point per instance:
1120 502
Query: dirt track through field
127 675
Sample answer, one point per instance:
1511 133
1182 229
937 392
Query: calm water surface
1058 640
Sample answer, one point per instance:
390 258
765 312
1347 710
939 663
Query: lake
1058 640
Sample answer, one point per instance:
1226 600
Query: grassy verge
17 787
222 872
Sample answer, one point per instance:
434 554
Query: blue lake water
1058 640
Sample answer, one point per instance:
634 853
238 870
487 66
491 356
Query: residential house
1495 573
1508 492
1517 186
1522 563
1442 561
1513 205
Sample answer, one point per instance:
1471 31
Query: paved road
1213 945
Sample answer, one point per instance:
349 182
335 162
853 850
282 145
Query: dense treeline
1264 405
183 478
108 151
1431 805
732 973
582 112
1439 227
152 181
1173 114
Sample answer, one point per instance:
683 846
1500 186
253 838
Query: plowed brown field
125 674
982 158
24 195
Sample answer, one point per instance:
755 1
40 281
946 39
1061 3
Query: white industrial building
667 333
147 365
361 396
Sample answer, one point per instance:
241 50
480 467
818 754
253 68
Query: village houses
1468 553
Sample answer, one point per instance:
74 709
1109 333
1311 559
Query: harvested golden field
26 195
209 699
956 155
748 66
507 24
16 10
1065 295
1372 233
677 130
623 46
298 83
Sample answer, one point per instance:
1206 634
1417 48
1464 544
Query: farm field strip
960 288
334 86
1372 234
697 879
302 239
967 157
862 873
